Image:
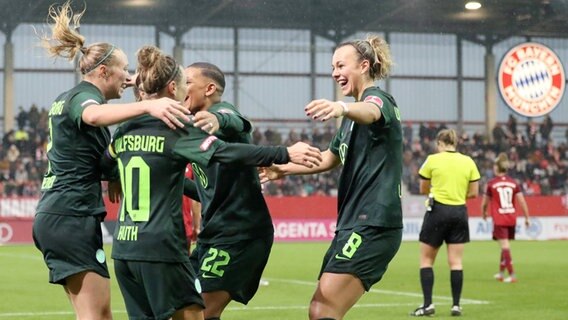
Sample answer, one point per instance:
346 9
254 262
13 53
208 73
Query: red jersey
502 192
186 207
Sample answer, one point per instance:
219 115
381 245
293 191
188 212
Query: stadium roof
333 19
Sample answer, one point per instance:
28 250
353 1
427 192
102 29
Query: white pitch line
262 308
23 256
244 308
305 307
389 292
45 314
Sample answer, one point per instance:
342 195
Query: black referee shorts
445 223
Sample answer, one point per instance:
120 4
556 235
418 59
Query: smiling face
348 71
199 90
116 76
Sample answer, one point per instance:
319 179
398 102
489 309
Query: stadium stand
539 163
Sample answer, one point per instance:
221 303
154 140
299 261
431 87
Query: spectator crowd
537 162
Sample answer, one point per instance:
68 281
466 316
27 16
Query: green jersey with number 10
151 160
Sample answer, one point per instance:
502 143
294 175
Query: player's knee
213 318
318 310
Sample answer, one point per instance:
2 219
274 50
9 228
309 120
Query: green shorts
70 245
232 267
156 290
363 251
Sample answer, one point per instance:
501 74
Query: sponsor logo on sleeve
375 100
531 79
207 143
226 111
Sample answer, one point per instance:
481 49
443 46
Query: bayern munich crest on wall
531 79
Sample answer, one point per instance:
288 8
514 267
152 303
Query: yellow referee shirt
449 173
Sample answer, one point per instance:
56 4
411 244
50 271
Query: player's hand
114 191
269 173
323 110
206 121
303 154
527 222
168 110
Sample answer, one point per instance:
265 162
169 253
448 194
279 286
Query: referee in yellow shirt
448 177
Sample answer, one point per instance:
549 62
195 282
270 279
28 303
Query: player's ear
172 88
103 71
210 89
365 65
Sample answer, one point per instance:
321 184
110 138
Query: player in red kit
504 195
191 214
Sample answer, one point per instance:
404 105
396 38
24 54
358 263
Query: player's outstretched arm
252 155
360 112
275 172
304 155
165 109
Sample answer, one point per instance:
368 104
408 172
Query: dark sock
456 279
326 319
508 261
427 282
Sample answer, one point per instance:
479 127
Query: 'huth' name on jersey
127 233
139 143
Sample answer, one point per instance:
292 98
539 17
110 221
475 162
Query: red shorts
504 232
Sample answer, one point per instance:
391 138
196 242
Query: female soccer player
236 221
503 194
67 224
369 145
150 246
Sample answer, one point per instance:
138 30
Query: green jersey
72 184
233 207
152 160
369 186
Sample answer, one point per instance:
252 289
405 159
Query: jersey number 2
135 182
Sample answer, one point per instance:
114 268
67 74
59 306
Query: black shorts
363 251
70 245
232 267
445 223
156 290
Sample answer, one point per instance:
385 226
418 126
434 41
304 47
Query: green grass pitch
541 293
